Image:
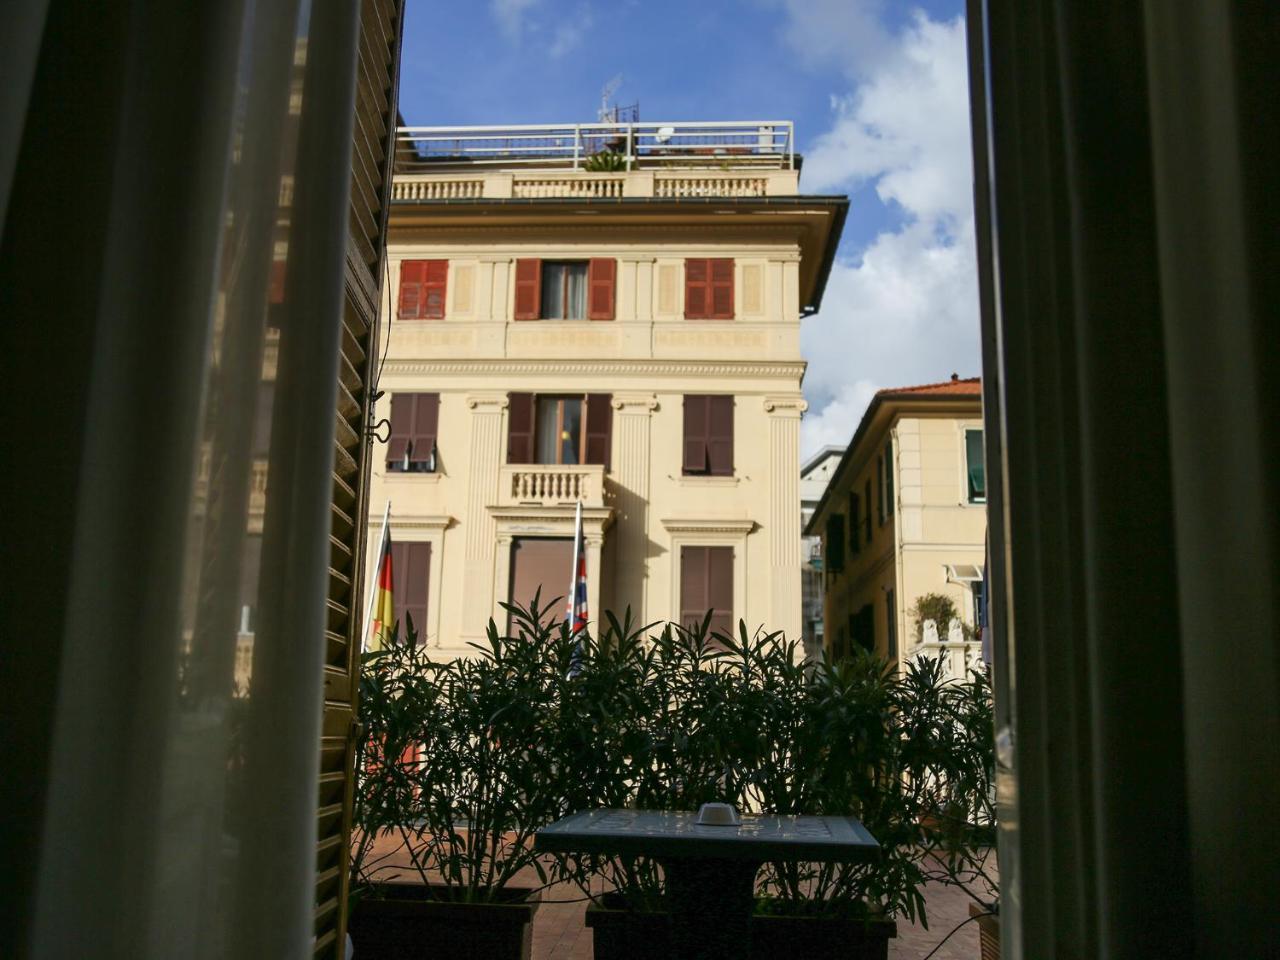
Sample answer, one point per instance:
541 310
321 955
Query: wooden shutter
410 574
520 428
601 286
402 411
720 296
426 418
866 495
855 533
378 69
528 290
693 585
413 274
720 588
434 280
599 428
835 543
697 288
695 434
720 436
879 477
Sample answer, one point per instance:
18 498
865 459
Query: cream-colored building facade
904 515
629 338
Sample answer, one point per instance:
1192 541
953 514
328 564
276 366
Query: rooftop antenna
607 115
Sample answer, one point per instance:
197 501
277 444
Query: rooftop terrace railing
768 144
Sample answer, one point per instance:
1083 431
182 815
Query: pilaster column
594 543
482 475
632 414
784 514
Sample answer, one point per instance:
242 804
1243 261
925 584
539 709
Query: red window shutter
275 289
697 289
528 289
720 298
693 585
601 287
425 421
520 428
402 410
410 571
695 434
412 275
599 428
720 588
434 281
720 436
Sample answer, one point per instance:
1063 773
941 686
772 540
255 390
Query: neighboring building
904 516
815 474
629 337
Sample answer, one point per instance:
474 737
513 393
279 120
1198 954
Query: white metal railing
761 143
550 485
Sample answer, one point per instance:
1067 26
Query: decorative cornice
794 405
720 525
560 513
441 522
646 402
498 400
695 368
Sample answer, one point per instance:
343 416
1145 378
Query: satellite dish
665 134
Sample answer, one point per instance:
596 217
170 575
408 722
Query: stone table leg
711 905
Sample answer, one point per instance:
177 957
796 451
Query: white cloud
510 15
569 33
905 310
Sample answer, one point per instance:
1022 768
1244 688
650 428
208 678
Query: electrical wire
938 946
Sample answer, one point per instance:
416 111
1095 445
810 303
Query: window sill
709 480
433 477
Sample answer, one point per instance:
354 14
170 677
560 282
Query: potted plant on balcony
455 777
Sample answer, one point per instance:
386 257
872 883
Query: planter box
406 921
988 932
620 934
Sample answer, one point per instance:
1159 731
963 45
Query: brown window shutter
720 436
720 588
520 428
866 495
697 289
528 289
693 585
402 410
855 535
412 275
695 434
434 280
720 296
599 428
601 287
410 569
275 289
425 421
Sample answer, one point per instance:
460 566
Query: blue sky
876 92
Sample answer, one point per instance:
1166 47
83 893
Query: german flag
384 609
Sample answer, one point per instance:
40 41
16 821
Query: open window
560 428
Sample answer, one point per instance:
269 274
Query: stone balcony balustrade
551 485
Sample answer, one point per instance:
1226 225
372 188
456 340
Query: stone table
710 870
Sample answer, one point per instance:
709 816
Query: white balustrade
552 485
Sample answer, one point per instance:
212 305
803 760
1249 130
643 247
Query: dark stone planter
620 934
407 921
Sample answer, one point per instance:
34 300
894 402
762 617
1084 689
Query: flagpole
373 593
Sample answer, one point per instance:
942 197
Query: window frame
564 288
559 399
970 496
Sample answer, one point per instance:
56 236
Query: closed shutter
528 290
413 274
599 428
835 543
866 495
720 588
375 112
410 573
695 434
880 491
721 289
720 436
601 283
520 428
693 586
855 534
402 415
697 289
434 282
426 419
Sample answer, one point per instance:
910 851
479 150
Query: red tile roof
955 387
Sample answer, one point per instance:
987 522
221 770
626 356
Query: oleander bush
462 761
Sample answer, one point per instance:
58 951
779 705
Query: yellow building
608 313
904 516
